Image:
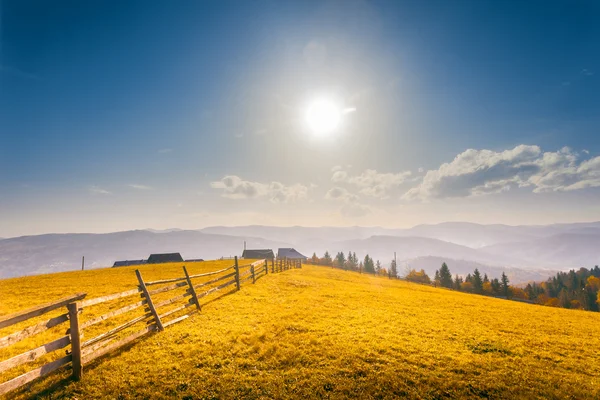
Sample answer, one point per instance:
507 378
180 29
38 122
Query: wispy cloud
164 151
140 187
371 182
587 72
234 187
96 190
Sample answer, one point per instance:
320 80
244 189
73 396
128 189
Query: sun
323 116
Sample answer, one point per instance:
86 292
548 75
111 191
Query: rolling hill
531 248
40 254
317 332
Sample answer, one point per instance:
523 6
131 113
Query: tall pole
82 262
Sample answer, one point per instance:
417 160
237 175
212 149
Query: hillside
325 333
28 255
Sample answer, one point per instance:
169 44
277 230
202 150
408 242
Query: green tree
457 282
369 265
327 258
445 276
477 282
505 289
378 267
340 260
496 290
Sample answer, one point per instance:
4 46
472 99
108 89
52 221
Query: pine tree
368 264
445 276
340 260
327 258
436 278
477 282
457 282
378 267
485 278
505 290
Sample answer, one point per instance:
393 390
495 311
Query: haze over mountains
524 252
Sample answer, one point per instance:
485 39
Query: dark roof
127 263
258 254
290 254
164 258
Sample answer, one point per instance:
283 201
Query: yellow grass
323 333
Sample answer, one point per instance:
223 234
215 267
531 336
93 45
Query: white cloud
98 190
139 187
350 202
234 187
164 151
372 183
479 172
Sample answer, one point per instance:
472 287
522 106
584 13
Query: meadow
317 332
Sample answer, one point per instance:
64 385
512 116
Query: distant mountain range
529 252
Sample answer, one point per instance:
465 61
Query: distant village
248 254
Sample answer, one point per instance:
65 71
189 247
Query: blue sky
124 115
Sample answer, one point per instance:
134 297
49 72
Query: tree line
574 289
351 262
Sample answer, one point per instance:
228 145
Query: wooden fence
82 352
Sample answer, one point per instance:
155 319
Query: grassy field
323 333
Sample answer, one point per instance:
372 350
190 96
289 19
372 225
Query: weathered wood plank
171 300
31 375
246 274
92 348
39 310
159 324
32 330
231 282
258 263
211 273
167 288
34 354
98 300
174 321
116 330
214 280
112 314
173 311
104 350
164 281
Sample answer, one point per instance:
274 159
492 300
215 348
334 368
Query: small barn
258 254
164 258
290 254
127 263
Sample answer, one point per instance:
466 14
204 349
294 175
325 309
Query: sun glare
323 116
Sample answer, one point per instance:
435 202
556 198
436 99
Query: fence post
266 267
75 340
273 265
253 275
237 274
192 290
159 324
285 264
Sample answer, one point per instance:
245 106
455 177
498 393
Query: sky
118 115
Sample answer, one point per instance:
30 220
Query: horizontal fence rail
82 352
